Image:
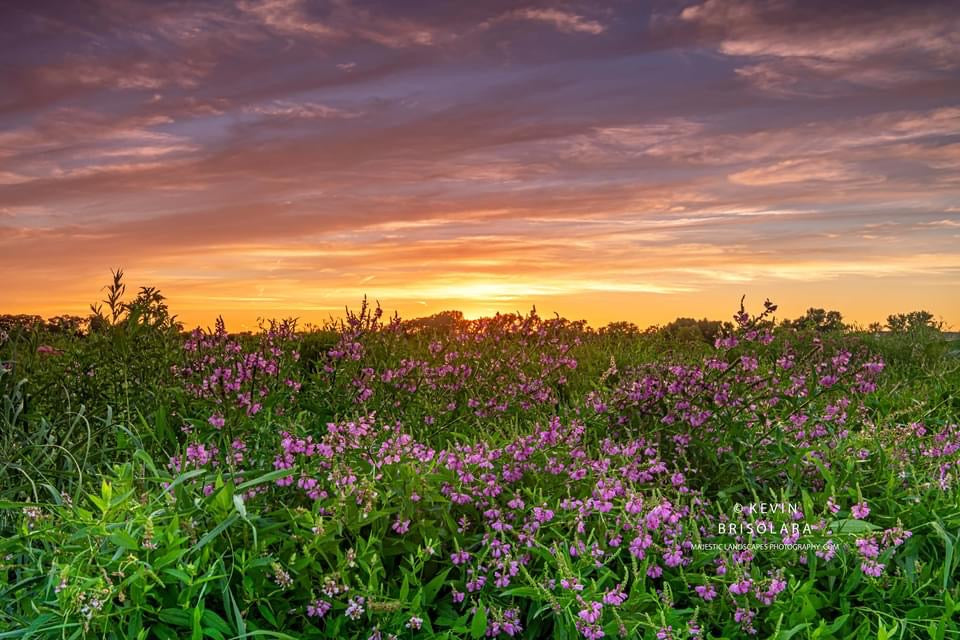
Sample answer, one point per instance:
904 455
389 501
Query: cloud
561 20
803 171
9 177
290 109
793 47
288 17
345 20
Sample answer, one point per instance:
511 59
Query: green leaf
6 504
240 506
405 588
882 633
838 623
431 589
212 620
267 614
213 533
180 575
792 631
523 592
267 477
478 627
124 540
177 617
948 559
100 504
197 629
851 526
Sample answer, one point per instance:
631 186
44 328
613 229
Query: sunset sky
617 160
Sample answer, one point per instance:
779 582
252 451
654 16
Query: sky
618 160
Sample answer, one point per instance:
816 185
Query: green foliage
125 512
819 320
915 321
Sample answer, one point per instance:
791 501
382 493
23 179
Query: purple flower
318 609
860 510
591 613
742 587
615 597
355 608
707 592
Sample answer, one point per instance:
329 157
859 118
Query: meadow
514 476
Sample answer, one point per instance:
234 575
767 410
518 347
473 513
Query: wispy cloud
812 48
561 20
284 108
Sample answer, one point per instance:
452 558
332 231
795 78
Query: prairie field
514 476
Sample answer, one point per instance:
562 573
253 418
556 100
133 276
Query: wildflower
860 510
592 612
355 608
33 514
707 592
745 618
281 576
217 420
615 597
589 631
741 588
828 553
868 547
832 505
318 609
401 526
415 623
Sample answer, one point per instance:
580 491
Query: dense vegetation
509 476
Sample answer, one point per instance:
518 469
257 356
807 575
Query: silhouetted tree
913 321
442 322
691 330
819 320
620 329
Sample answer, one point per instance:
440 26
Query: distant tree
692 330
620 328
819 320
66 324
444 322
913 321
11 322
